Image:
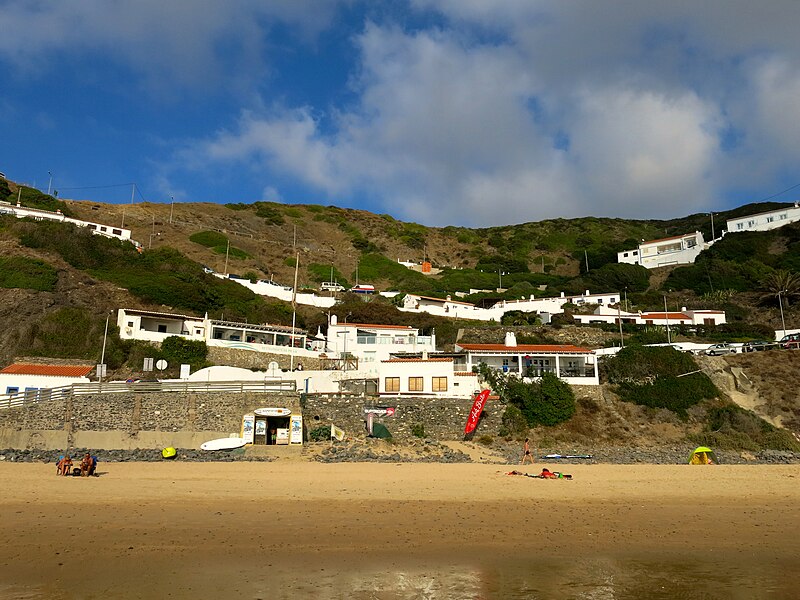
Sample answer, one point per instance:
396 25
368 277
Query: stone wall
441 418
247 359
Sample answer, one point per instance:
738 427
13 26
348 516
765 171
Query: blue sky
443 112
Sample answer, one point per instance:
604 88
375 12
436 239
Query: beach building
34 381
371 343
156 327
675 250
573 364
766 220
607 314
425 376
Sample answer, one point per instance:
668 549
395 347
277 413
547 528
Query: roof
677 316
761 214
667 239
48 370
442 300
526 348
465 374
151 313
416 360
373 326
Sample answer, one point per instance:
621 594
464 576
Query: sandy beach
311 530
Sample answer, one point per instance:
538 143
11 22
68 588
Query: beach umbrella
169 452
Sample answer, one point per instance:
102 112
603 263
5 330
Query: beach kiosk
272 426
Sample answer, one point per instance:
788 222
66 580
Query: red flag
475 413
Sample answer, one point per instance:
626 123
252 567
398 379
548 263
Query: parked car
331 286
756 346
790 341
720 349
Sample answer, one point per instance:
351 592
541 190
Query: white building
371 343
22 212
425 377
607 314
676 250
33 381
156 327
264 287
765 221
572 364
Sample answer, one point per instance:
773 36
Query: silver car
720 349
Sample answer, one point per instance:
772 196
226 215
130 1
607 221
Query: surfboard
567 456
272 412
228 443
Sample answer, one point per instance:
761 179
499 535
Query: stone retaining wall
247 359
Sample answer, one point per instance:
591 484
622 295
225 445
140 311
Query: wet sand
312 530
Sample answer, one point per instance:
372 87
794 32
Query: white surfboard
272 412
228 443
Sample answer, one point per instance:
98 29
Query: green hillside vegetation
162 276
27 273
32 198
218 243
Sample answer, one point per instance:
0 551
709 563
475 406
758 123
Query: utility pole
586 257
666 316
780 304
133 191
49 183
713 237
103 353
294 309
227 252
619 320
171 208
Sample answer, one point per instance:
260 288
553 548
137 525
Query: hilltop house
676 250
34 381
765 221
574 365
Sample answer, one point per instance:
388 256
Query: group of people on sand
86 467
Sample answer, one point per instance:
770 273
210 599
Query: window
415 384
12 390
392 384
130 323
740 226
783 216
162 329
116 231
625 254
439 384
770 219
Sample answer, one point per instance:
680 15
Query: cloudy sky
462 112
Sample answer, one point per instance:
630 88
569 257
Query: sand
312 530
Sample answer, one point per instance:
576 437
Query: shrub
178 350
486 440
731 427
673 393
514 421
27 273
418 430
320 434
231 251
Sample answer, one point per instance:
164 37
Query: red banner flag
475 413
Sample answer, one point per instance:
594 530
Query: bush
486 440
178 350
733 428
27 273
514 422
418 430
321 433
673 393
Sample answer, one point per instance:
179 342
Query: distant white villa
110 231
766 220
676 250
606 314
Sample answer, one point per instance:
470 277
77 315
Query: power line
779 193
98 187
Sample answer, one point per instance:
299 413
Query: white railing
30 397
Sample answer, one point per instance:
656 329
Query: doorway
269 429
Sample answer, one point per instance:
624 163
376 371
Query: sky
442 112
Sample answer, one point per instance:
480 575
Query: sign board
148 364
248 428
185 371
272 412
385 411
161 364
296 429
101 370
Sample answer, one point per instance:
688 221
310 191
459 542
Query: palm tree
783 283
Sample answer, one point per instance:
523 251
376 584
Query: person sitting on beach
64 466
87 465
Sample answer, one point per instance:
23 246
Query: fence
29 397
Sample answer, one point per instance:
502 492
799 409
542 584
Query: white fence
30 397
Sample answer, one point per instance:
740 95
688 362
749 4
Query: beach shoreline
189 527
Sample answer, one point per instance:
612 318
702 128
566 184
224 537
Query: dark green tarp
379 431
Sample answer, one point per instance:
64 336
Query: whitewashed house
37 214
33 381
156 327
434 376
766 220
676 250
607 314
371 343
575 365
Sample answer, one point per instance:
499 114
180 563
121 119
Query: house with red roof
607 314
33 381
573 364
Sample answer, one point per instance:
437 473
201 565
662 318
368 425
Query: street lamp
780 304
49 183
713 237
666 316
171 207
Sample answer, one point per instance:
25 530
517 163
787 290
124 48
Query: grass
27 273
